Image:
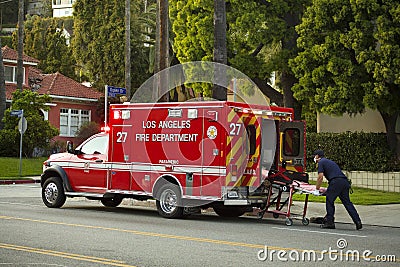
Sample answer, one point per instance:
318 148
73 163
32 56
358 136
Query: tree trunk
220 51
162 50
287 78
390 124
3 96
20 69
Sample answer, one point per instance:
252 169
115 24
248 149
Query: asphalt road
84 233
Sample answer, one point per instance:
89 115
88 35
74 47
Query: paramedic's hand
316 193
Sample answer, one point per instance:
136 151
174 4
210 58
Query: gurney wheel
289 222
305 221
276 215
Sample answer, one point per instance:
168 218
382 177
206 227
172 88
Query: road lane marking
65 255
168 236
319 232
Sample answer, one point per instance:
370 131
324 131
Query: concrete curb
25 180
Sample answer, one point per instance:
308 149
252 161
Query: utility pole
128 48
20 68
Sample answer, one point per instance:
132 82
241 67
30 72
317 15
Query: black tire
229 211
168 202
112 202
53 195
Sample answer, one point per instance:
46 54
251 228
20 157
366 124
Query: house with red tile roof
72 104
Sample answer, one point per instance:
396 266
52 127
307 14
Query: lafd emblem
212 132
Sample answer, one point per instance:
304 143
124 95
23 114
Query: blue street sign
16 113
114 91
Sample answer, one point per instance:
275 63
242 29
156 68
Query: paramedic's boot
358 225
328 225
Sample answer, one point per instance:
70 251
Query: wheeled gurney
281 186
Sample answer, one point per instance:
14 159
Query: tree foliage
261 35
45 40
39 131
98 43
350 58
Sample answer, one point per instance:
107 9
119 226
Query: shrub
353 151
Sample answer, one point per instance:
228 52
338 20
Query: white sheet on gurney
306 187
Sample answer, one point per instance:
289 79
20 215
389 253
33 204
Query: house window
10 74
71 120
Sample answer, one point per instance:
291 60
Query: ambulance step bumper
236 202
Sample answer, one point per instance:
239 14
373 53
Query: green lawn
9 167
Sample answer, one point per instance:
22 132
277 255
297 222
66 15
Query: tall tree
162 48
220 48
46 41
3 97
98 43
20 69
128 65
254 28
350 59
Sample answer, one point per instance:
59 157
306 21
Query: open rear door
292 145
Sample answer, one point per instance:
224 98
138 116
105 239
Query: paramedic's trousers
339 187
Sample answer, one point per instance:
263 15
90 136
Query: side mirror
70 147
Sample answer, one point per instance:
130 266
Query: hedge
353 151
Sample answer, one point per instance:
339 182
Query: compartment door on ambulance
211 146
120 173
292 145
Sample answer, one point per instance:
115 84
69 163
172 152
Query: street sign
17 112
114 91
22 125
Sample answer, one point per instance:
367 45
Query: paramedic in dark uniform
338 187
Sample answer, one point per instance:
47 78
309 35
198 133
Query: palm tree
2 89
220 51
162 48
20 69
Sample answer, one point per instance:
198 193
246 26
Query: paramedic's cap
320 153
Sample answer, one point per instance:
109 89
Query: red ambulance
186 155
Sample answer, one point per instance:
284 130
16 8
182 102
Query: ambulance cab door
292 145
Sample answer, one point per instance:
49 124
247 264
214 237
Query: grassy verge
9 167
360 196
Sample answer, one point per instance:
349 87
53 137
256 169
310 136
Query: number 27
121 137
235 128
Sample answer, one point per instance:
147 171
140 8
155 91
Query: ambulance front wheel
169 202
53 195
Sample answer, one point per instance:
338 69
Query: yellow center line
65 255
168 236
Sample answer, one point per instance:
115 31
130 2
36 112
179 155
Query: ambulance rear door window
291 141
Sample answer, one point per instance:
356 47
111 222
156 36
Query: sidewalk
381 215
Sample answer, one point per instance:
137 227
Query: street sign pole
105 104
22 130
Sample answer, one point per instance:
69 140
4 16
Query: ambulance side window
291 142
97 145
251 135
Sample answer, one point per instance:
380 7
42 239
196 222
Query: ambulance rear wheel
169 202
111 202
53 195
229 211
